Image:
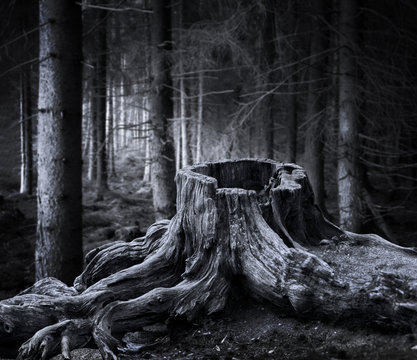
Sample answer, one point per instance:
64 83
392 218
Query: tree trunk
314 157
26 153
183 122
163 153
292 127
111 133
59 241
101 180
92 155
348 156
247 224
270 53
199 117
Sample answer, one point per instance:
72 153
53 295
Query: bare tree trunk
148 140
163 153
92 156
266 48
101 180
183 122
122 111
348 157
59 241
200 116
26 167
292 126
270 53
111 132
314 142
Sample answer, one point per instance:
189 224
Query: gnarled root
111 258
255 221
58 338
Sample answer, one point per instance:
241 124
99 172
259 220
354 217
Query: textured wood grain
246 223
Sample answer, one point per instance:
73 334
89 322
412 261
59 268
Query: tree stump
248 222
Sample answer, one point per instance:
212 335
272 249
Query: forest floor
244 330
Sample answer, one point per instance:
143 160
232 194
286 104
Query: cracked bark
248 222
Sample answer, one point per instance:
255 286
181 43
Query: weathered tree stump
251 222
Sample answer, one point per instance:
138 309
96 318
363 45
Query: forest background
330 85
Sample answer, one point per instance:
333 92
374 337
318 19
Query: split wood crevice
251 220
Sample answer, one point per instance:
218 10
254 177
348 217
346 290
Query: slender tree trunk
26 168
200 116
148 140
292 126
270 53
314 142
122 113
183 121
147 104
163 154
348 173
111 132
92 156
264 113
86 128
177 136
101 180
59 240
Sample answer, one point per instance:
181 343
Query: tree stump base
247 222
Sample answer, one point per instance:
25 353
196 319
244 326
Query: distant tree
59 240
314 143
162 149
101 73
93 118
111 132
348 146
26 153
291 121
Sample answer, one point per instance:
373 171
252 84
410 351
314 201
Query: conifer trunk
162 150
59 242
101 180
348 142
315 107
26 153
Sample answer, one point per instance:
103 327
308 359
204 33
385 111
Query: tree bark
199 129
101 180
59 241
291 58
26 153
111 132
348 146
163 153
314 142
92 154
248 224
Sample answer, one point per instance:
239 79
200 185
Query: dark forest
222 179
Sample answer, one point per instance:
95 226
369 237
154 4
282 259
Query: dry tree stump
251 220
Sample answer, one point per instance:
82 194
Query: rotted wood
251 220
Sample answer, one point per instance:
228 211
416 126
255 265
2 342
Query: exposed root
58 338
112 258
255 221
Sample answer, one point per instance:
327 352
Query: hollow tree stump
251 220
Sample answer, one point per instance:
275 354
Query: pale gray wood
254 221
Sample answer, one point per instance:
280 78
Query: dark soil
244 330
